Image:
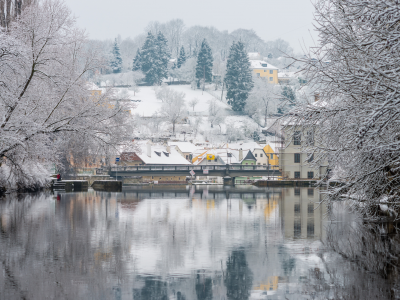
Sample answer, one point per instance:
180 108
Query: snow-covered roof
261 64
245 146
160 155
186 147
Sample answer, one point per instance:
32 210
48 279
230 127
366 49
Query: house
294 163
273 156
150 154
263 69
255 148
186 149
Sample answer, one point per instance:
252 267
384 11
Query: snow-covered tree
216 115
264 100
181 58
137 62
204 63
193 103
116 60
155 58
355 72
238 78
45 99
173 109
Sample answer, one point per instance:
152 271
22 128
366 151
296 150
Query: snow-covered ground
150 105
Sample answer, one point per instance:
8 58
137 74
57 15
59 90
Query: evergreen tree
238 79
116 62
154 58
181 58
162 57
288 95
204 63
239 278
137 61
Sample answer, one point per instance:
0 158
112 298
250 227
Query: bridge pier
229 181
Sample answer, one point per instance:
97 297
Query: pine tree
162 57
137 61
204 63
181 58
154 58
289 96
238 79
116 62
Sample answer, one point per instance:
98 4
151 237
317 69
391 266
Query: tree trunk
222 92
8 12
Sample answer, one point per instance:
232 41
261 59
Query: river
177 242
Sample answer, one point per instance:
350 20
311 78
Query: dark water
183 243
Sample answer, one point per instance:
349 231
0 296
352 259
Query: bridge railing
191 167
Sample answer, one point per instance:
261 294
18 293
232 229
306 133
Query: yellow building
273 157
265 70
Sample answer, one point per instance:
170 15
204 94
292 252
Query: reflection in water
187 243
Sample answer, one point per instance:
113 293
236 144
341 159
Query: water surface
177 243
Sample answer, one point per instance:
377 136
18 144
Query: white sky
290 20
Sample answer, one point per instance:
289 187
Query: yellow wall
269 151
267 75
163 178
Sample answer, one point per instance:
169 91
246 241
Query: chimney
316 96
149 149
240 154
168 149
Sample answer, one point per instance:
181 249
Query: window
271 78
255 155
310 192
297 158
297 191
187 156
271 72
215 159
158 153
261 155
310 175
297 209
246 163
297 138
296 174
310 157
272 156
310 209
265 71
166 154
310 137
264 65
297 228
258 74
258 163
310 228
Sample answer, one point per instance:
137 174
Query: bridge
203 170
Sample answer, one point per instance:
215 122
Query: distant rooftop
261 64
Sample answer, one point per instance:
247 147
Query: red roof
129 156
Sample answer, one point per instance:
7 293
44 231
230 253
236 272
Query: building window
258 163
297 209
215 160
255 155
310 175
271 78
261 155
310 209
310 228
271 72
258 74
297 191
297 158
272 156
297 228
187 156
296 174
265 71
310 157
310 137
297 138
246 163
310 192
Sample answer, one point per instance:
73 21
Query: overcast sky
290 20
